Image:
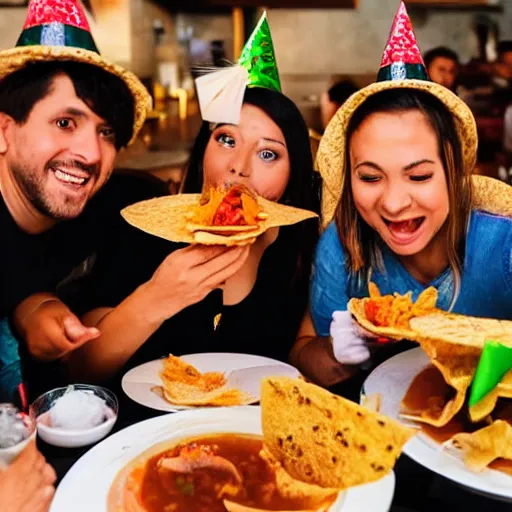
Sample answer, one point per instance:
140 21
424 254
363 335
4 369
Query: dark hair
303 186
341 91
440 51
504 47
106 94
358 239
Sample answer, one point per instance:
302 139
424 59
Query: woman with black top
150 297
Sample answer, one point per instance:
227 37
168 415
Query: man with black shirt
64 113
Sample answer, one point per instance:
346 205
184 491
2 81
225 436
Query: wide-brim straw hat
401 60
59 31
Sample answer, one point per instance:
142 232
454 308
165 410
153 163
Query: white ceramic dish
392 379
137 382
85 487
73 438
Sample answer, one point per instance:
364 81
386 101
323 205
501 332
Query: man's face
62 155
443 71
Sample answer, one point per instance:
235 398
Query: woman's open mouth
404 231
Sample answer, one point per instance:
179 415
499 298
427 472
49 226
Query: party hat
58 30
402 67
402 58
221 93
495 362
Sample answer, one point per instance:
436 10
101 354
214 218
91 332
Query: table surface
417 489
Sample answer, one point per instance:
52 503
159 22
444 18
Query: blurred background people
332 99
443 66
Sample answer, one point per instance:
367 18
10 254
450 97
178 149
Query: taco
390 315
189 218
227 212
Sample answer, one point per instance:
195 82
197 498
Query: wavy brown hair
358 239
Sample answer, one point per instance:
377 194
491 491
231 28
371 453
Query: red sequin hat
59 30
402 67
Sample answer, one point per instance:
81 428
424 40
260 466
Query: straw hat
57 30
402 67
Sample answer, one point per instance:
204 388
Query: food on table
438 396
185 385
482 447
77 409
336 443
218 217
314 445
390 315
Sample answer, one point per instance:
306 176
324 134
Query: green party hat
259 59
221 93
495 362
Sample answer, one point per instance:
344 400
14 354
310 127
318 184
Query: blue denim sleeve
328 285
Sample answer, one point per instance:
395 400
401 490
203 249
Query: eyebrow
76 112
275 141
408 167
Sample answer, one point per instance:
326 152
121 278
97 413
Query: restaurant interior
318 44
325 51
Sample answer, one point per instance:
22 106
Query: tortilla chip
325 440
484 407
167 217
396 311
185 385
231 506
457 365
462 331
312 496
482 447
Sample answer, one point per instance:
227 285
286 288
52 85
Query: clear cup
16 431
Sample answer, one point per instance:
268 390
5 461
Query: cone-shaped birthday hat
57 30
221 93
402 58
402 67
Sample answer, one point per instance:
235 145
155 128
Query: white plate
85 487
137 383
392 379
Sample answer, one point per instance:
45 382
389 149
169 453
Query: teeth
68 178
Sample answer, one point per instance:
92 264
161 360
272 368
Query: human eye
65 123
226 140
108 133
420 177
268 155
369 178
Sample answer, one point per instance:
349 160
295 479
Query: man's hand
27 484
49 328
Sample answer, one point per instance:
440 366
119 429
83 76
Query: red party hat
402 59
58 30
57 23
67 12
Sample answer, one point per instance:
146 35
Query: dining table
416 490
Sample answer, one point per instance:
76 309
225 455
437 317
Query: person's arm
184 278
48 327
313 351
313 356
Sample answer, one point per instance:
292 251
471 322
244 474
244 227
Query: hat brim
331 152
17 58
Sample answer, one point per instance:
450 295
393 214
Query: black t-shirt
264 323
51 261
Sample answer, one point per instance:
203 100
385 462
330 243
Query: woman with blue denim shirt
396 163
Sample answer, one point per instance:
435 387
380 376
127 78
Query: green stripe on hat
57 34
